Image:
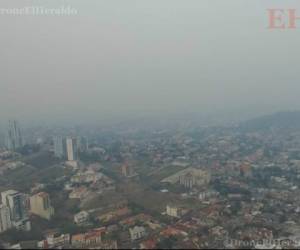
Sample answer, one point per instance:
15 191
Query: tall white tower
72 149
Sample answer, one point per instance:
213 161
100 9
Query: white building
194 177
72 149
5 222
189 177
207 195
88 176
57 241
16 202
81 217
173 211
137 233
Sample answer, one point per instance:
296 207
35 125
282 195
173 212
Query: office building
40 205
127 170
82 144
59 144
5 222
17 204
72 149
14 138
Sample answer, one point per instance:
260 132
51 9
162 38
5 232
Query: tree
167 243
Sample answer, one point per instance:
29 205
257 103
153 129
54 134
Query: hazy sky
132 57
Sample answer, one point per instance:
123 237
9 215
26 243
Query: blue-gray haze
146 57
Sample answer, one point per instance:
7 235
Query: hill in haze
280 120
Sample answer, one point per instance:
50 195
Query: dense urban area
146 187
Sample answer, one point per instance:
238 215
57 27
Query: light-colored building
90 239
88 176
40 205
127 170
173 211
187 180
78 193
137 233
189 177
72 149
72 164
207 195
37 187
81 218
5 222
55 241
194 177
17 204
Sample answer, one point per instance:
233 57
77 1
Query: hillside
280 120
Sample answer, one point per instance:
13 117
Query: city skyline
149 124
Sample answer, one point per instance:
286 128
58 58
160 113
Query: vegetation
167 243
41 160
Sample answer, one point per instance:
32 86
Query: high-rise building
16 202
72 149
127 170
40 205
82 143
5 222
59 147
14 137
